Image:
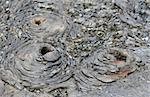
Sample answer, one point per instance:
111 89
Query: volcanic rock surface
74 48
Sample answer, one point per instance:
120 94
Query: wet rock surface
74 48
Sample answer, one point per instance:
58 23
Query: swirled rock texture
74 48
37 65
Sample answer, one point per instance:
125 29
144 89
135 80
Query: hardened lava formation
37 65
74 48
104 66
34 56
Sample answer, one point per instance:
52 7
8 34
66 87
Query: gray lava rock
74 48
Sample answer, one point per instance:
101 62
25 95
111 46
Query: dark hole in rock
45 50
119 56
37 22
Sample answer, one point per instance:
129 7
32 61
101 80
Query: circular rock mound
104 66
37 65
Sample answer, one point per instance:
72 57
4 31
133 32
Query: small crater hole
45 50
37 22
120 56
